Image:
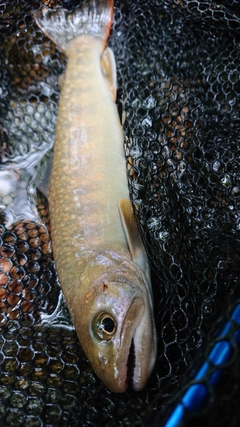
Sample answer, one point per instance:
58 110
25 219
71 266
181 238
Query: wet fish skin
100 259
88 174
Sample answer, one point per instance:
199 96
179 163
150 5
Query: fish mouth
134 362
131 363
141 347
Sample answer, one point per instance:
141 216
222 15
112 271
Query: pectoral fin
43 184
109 71
132 235
61 80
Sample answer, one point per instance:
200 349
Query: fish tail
93 18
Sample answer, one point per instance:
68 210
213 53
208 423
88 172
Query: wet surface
178 93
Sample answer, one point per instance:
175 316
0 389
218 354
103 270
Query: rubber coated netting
178 98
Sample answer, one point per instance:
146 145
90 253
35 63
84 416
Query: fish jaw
128 360
135 364
144 348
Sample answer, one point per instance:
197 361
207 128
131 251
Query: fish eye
104 326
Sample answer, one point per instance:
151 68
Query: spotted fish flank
100 258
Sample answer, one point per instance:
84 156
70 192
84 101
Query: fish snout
142 347
130 358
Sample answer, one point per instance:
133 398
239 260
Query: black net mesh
178 77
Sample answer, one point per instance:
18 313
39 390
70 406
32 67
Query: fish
99 255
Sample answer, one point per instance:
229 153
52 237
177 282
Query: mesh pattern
26 271
178 77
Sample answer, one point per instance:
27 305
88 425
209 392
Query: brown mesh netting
178 80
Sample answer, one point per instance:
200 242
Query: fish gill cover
178 97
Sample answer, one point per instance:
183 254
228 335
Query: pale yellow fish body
89 169
100 259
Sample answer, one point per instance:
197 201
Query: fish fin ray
132 236
61 78
44 183
108 64
93 18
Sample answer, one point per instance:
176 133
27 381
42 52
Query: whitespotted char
100 259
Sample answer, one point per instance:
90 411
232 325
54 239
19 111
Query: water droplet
226 181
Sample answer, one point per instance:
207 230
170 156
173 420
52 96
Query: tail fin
93 18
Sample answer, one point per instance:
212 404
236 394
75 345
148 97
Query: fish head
116 329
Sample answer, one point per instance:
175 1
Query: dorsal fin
132 236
